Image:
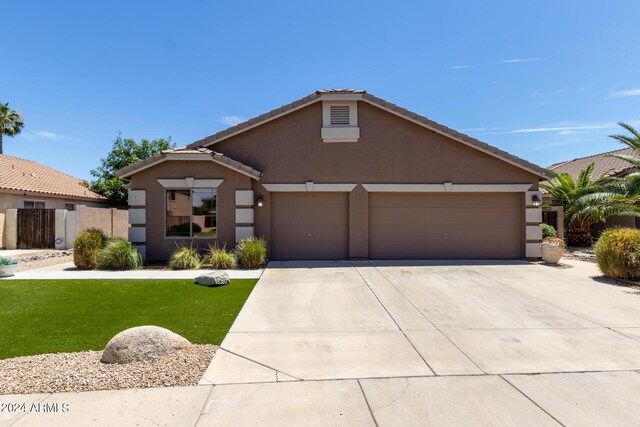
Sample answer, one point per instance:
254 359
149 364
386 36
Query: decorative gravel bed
43 258
582 254
83 371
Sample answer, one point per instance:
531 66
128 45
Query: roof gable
19 174
360 95
189 154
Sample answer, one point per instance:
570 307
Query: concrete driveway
388 344
425 342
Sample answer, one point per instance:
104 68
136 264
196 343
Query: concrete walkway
399 343
69 271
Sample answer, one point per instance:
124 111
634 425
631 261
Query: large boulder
142 343
215 278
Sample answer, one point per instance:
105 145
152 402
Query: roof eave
218 158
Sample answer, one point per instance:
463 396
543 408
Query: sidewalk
69 271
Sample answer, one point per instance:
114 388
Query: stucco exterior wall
16 201
390 150
2 230
290 149
158 246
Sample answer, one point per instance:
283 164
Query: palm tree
587 201
11 122
627 187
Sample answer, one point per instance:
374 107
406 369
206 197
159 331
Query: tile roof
341 91
216 157
29 176
602 164
542 172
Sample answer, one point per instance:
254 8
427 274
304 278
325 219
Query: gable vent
339 115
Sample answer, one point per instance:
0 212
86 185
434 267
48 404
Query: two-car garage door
445 226
401 225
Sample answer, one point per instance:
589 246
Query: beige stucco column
11 229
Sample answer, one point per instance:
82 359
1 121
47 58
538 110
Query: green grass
51 316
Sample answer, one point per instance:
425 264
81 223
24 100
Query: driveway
400 343
407 342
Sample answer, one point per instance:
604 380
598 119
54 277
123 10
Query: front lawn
52 316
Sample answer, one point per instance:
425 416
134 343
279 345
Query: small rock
142 343
216 278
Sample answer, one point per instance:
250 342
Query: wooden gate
36 228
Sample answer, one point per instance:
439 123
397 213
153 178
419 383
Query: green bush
220 259
252 252
184 258
548 231
119 255
86 248
618 253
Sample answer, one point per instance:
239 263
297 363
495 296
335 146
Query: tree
11 122
587 201
125 152
632 141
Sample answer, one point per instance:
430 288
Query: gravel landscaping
83 371
582 254
43 258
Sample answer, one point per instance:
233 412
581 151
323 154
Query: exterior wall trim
190 183
447 187
310 187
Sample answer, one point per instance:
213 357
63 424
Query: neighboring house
339 174
602 165
28 184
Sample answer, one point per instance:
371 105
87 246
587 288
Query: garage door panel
419 226
309 226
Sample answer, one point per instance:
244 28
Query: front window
191 213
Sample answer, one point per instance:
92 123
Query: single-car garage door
446 226
309 225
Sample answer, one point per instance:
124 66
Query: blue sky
544 80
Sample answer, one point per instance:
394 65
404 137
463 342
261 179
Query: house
31 185
28 185
339 174
602 165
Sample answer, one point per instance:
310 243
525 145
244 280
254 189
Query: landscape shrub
548 231
618 253
184 258
86 248
252 252
119 255
219 258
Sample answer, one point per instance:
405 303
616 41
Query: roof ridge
555 165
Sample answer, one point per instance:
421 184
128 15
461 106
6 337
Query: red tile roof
29 176
602 164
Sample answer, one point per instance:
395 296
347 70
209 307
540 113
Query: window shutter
339 115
